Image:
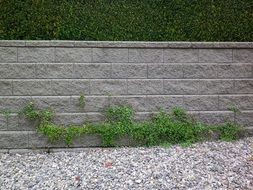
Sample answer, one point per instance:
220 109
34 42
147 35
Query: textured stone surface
13 103
165 71
242 102
5 87
17 70
110 55
157 103
95 70
20 123
201 103
145 87
129 70
72 55
181 87
235 70
13 139
215 117
201 71
108 87
37 55
87 141
215 55
244 86
3 122
8 54
54 70
181 55
216 87
70 87
245 118
145 55
243 55
32 87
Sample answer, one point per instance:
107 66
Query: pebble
208 165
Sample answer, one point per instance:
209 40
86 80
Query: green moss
141 20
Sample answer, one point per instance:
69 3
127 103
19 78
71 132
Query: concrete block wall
205 78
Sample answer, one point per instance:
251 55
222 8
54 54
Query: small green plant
163 128
6 113
234 109
82 101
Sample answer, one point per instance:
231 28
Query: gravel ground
210 165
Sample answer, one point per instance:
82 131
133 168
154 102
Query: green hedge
147 20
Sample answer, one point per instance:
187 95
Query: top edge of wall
122 44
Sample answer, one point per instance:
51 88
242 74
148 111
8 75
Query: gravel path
211 165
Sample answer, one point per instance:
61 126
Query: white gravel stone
210 165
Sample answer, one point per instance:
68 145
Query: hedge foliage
147 20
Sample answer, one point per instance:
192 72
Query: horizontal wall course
32 87
17 70
72 55
69 87
13 104
235 70
126 70
108 87
54 70
164 71
8 54
214 117
145 55
215 55
181 87
181 55
110 55
92 70
145 86
243 55
244 118
3 121
36 55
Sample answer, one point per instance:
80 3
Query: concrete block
138 103
201 103
77 118
181 87
110 55
243 55
91 104
142 116
3 122
242 102
145 55
87 141
200 71
94 70
26 151
8 54
17 70
165 71
36 55
54 70
147 86
244 118
13 139
57 104
13 104
215 117
108 87
129 70
70 87
20 123
32 87
216 86
215 55
73 55
244 86
5 87
181 55
235 70
157 103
